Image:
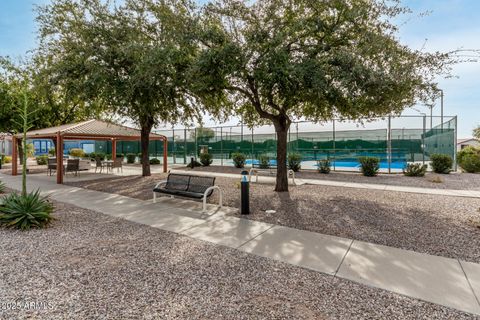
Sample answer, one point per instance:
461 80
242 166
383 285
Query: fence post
389 144
221 145
185 146
455 139
423 137
196 145
173 146
334 152
252 147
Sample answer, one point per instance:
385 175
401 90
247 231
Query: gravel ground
89 266
439 225
460 181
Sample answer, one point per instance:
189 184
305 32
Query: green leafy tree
203 134
476 133
275 61
130 59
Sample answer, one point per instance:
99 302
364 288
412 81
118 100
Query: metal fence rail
395 140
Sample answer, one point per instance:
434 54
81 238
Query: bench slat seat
195 187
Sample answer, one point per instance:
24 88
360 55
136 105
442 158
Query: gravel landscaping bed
91 266
439 225
460 181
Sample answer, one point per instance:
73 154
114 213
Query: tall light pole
441 107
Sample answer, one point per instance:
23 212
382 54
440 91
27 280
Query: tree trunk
281 128
144 143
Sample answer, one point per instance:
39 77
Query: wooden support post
114 149
59 158
14 156
165 153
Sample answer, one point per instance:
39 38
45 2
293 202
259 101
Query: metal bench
188 186
255 171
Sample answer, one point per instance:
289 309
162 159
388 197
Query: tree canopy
130 59
276 61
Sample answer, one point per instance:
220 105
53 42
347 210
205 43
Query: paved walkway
449 282
384 187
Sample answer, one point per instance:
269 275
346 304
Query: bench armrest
204 208
160 183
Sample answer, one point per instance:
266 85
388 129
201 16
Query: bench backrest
201 184
177 182
189 183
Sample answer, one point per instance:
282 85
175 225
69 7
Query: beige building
463 143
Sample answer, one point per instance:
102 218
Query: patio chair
51 165
73 165
117 163
99 164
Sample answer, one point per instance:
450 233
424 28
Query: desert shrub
323 166
415 170
51 151
469 159
131 157
42 160
76 152
25 212
194 164
154 161
7 159
206 159
2 187
369 166
263 161
239 159
294 161
441 163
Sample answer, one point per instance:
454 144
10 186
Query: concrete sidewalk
372 186
439 280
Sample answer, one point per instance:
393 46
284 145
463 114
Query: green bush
415 170
120 155
131 157
25 212
441 163
469 159
2 187
323 166
294 161
109 156
7 159
75 152
154 161
369 166
239 159
42 160
264 161
51 151
206 159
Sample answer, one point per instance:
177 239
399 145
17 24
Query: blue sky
451 24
